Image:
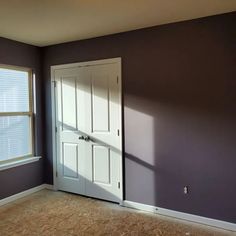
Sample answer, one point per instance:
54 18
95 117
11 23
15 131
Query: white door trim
87 63
53 112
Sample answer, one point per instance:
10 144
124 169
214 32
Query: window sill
19 162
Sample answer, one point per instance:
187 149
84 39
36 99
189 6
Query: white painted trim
53 110
181 215
49 186
54 135
87 63
118 60
18 162
23 194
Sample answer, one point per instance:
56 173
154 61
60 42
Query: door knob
87 138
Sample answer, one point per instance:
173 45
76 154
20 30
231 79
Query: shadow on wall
177 143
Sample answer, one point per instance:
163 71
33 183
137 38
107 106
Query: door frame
53 113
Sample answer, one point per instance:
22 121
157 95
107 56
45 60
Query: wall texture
21 178
179 83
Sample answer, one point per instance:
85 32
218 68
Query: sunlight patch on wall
140 135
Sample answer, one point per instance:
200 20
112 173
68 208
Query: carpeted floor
57 213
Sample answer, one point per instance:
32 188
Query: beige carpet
57 213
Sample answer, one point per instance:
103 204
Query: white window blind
15 114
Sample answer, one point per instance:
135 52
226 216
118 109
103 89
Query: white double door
87 101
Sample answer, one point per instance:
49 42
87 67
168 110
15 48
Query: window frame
30 113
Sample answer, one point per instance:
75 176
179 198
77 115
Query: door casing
53 112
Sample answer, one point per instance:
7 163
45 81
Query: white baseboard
49 186
25 193
138 206
181 215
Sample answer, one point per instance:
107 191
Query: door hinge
118 132
56 174
56 129
119 185
117 79
55 83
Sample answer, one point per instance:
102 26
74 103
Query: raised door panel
101 166
69 103
70 160
100 103
83 90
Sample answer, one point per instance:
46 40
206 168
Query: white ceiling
47 22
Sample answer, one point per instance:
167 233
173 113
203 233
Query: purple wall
179 83
21 178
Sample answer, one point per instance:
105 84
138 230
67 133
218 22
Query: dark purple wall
179 88
21 178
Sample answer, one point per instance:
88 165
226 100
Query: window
16 114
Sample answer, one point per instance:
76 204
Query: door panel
83 87
101 165
100 104
88 121
68 103
70 160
